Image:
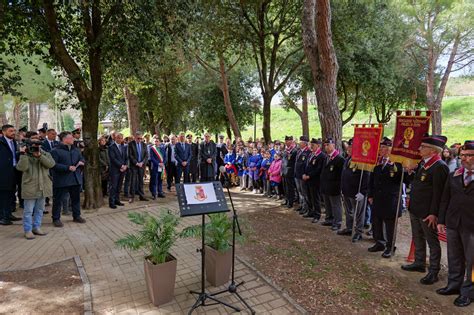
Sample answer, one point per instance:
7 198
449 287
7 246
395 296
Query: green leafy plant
218 232
156 237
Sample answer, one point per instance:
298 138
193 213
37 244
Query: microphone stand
232 288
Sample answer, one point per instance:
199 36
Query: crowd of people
310 176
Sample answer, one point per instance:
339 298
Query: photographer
36 184
67 178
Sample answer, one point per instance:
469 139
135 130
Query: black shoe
118 203
462 301
299 209
153 197
388 252
315 220
357 237
344 232
303 212
430 278
326 223
335 227
307 215
289 206
112 206
58 223
284 203
79 220
447 291
161 196
414 267
6 222
13 218
143 199
45 212
376 248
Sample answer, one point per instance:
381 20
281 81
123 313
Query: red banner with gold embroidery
365 146
409 131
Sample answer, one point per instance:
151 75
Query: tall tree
319 49
443 28
273 28
84 38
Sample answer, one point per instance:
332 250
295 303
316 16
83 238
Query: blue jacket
155 161
117 157
64 157
182 155
255 161
47 147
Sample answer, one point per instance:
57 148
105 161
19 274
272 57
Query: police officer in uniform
331 185
353 197
312 177
456 218
288 170
300 165
427 185
384 186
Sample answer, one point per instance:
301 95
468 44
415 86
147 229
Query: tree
443 28
84 39
273 28
319 50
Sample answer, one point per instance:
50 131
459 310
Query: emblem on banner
365 148
408 135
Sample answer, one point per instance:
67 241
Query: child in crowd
230 168
274 173
254 162
264 166
241 164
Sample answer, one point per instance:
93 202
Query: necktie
468 178
384 162
12 148
139 151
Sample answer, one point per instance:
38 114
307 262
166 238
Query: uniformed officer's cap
386 142
468 145
23 129
288 138
328 141
42 130
221 137
304 138
75 131
316 141
435 141
351 140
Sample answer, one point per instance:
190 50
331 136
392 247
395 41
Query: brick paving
117 277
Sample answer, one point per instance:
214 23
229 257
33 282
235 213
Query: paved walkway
117 276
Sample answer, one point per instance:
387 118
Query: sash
160 160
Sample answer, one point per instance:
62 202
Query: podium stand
202 199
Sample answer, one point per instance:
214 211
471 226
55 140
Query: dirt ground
51 289
326 273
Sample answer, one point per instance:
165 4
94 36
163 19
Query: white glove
359 197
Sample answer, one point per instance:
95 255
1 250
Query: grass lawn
458 122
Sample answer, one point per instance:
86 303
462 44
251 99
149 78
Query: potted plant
218 247
156 237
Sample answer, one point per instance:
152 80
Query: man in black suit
183 157
312 177
50 142
118 166
194 163
138 158
456 218
171 163
427 185
300 165
331 188
8 159
207 158
288 171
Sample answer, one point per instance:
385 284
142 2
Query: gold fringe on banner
366 167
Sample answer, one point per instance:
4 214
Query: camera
32 146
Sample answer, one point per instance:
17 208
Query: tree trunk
17 105
267 113
229 132
225 91
132 110
319 50
3 112
34 113
304 113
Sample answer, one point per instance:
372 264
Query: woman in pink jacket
275 175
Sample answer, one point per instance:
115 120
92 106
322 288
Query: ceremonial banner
365 146
408 134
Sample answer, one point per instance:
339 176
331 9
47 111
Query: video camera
32 146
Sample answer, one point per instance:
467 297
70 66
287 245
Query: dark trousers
315 200
378 229
421 235
18 176
115 183
171 174
351 206
290 187
156 182
207 172
7 197
194 170
105 188
333 207
460 260
182 171
59 196
136 182
126 183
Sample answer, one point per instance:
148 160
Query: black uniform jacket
288 163
301 160
350 180
384 187
314 167
331 176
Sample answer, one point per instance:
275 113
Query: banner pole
395 228
354 215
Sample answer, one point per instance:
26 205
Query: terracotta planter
218 266
160 281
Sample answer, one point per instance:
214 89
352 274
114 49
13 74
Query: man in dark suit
183 157
67 178
194 163
456 218
331 188
171 163
427 185
50 142
300 165
207 158
118 166
138 159
8 159
312 177
288 171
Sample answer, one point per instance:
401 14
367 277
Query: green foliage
68 122
156 237
218 231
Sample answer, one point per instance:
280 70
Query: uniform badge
423 177
303 157
331 168
314 162
392 174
